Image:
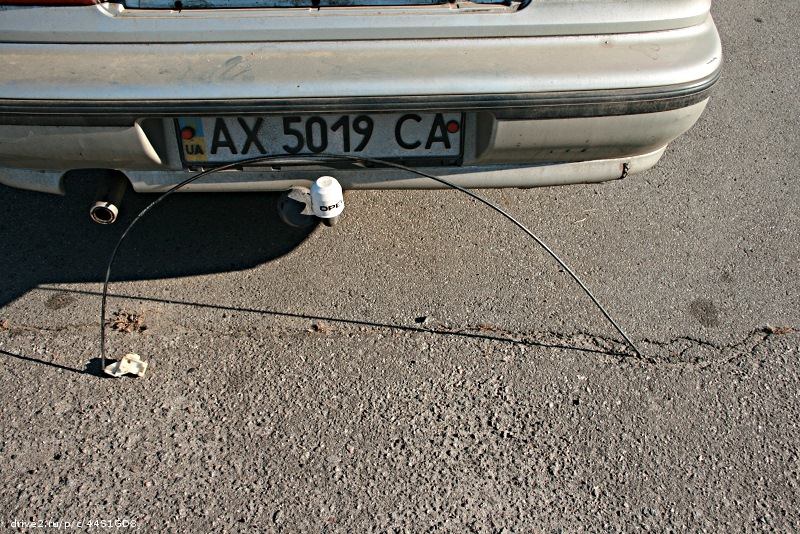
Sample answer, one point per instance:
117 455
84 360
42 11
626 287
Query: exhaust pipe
108 198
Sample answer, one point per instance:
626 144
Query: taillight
48 2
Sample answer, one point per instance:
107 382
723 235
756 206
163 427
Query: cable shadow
43 362
51 239
93 368
462 333
187 235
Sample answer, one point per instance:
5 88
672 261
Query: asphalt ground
424 366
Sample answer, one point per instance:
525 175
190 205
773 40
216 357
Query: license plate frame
416 138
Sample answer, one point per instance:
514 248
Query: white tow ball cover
327 200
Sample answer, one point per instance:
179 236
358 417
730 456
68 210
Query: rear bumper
500 153
530 103
92 83
475 176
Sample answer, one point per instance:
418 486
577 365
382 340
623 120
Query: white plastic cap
327 200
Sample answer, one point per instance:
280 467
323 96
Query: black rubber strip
555 105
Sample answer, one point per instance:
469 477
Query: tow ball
302 207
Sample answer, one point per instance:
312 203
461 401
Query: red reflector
52 3
187 132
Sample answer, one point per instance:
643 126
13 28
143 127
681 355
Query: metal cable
321 159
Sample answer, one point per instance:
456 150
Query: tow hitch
302 207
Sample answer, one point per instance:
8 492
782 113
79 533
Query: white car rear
490 94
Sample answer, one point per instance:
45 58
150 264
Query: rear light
48 2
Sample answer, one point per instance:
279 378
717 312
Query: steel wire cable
322 159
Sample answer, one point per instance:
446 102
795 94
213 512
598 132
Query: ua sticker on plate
194 143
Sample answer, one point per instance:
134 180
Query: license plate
219 140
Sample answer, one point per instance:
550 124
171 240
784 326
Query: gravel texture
422 367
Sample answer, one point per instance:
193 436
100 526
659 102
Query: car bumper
538 110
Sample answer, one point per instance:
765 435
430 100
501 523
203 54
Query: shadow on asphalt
491 335
94 367
45 362
51 239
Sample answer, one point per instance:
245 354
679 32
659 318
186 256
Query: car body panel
114 23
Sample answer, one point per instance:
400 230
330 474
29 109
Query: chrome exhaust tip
104 212
108 198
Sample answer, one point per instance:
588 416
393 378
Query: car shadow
51 239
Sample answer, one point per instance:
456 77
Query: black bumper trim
556 105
